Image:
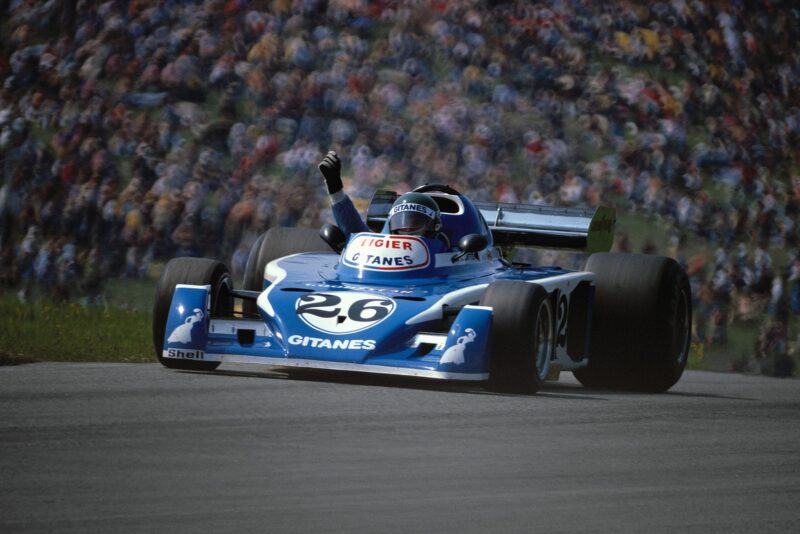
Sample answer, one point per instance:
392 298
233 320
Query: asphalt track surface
133 448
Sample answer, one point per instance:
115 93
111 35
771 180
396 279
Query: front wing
459 354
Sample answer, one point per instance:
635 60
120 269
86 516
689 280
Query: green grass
740 347
696 359
42 331
640 229
135 295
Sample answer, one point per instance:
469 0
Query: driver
411 214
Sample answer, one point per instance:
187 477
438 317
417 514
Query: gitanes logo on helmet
410 206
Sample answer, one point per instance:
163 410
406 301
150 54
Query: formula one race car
384 303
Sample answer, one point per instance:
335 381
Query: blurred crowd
139 130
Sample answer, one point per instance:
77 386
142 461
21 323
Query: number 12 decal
343 312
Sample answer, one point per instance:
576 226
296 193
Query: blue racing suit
346 215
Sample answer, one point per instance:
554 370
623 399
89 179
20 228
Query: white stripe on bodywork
275 274
343 366
191 286
473 293
455 298
476 307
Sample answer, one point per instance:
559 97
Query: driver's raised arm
345 213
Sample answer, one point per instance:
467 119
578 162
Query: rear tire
522 336
192 271
641 323
273 244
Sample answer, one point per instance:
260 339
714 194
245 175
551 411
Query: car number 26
343 312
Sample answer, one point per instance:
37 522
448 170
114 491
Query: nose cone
344 325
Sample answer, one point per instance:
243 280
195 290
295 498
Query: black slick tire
522 336
273 244
641 323
193 271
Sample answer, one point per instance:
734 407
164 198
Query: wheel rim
683 328
542 342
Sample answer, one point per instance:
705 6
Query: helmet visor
410 223
411 218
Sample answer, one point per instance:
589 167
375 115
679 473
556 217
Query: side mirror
333 236
471 244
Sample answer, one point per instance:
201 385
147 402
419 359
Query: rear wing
521 225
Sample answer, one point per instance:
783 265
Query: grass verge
42 331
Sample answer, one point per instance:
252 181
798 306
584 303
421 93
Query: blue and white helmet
415 214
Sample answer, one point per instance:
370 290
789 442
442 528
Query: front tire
522 336
273 244
192 271
641 323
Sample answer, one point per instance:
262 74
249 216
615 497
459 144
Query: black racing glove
331 169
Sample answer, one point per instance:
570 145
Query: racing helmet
415 214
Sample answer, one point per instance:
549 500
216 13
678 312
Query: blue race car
395 304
